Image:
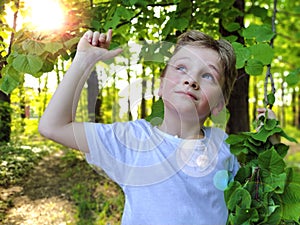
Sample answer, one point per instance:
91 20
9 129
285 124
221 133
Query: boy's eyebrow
208 64
215 69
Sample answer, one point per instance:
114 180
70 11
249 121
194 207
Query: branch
269 74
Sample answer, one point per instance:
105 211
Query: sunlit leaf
53 47
33 47
10 79
31 64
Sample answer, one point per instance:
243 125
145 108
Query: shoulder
136 128
216 138
215 133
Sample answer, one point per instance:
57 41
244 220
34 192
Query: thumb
111 54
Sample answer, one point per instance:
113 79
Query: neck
186 129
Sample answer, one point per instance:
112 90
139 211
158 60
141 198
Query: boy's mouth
188 93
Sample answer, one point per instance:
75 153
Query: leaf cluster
264 190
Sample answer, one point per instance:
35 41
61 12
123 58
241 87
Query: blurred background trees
35 57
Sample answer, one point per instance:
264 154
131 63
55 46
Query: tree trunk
92 93
5 118
298 118
238 105
294 107
255 96
143 101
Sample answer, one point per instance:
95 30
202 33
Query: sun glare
45 15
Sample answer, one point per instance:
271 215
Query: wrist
84 60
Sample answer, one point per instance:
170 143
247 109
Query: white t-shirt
165 179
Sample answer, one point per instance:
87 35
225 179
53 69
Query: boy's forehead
197 54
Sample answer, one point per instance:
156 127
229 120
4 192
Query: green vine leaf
254 67
271 161
10 79
260 32
53 47
290 200
242 54
157 114
293 77
262 52
31 64
33 47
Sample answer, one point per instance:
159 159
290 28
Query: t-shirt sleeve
103 147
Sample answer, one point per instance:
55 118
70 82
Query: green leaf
254 67
71 42
275 182
10 79
53 47
262 52
33 47
290 201
112 23
259 11
242 54
263 134
122 12
271 99
271 161
260 32
291 139
47 66
235 138
233 26
282 149
240 197
157 114
31 64
245 216
181 23
270 124
293 77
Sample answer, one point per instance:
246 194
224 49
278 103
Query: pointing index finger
109 36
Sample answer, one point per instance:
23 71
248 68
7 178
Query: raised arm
57 122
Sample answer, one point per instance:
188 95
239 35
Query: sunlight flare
45 15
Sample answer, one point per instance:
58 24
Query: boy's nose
193 84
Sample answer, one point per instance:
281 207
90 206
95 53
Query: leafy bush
15 162
265 190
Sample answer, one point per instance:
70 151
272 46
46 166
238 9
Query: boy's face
192 82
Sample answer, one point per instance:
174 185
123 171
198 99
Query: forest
42 182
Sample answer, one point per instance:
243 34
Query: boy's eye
208 76
181 68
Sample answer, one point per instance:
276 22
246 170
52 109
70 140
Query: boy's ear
218 108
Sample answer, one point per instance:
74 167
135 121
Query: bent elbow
45 130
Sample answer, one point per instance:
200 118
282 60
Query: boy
174 173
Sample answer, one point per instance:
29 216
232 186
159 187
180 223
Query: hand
96 45
274 139
261 112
